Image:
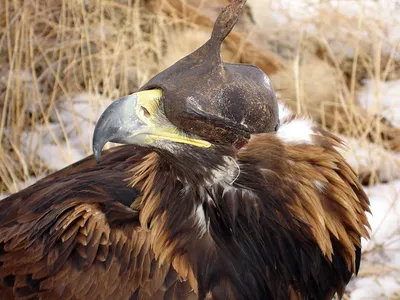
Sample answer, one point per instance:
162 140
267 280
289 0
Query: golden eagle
210 198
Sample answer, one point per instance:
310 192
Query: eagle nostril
144 112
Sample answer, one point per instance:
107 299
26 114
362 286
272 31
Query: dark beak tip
99 139
97 156
96 153
97 147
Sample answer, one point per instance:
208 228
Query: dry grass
53 50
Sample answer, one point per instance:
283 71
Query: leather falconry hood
211 98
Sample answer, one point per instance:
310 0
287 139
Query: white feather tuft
201 220
284 112
297 131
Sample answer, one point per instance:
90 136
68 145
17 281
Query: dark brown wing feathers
288 228
74 236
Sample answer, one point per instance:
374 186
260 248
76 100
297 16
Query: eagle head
200 101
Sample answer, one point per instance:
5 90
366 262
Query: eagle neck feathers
281 212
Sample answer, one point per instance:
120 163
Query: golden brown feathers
327 194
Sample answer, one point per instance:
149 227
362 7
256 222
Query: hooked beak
136 119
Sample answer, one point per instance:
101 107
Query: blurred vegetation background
62 61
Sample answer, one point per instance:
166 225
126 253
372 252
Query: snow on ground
382 98
284 11
366 19
368 159
67 138
379 277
